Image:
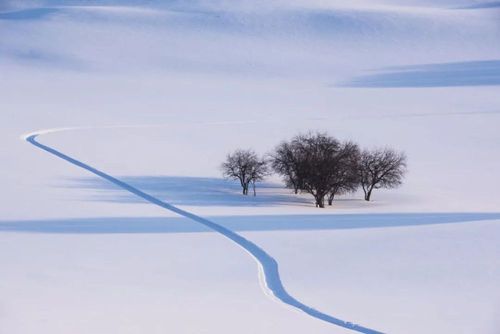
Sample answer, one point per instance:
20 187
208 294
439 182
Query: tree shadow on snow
196 191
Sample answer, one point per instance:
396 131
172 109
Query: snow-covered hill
157 93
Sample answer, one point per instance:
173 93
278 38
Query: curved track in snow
268 267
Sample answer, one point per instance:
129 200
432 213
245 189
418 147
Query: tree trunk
368 194
365 191
330 198
253 186
320 201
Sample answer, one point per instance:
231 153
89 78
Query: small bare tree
245 166
381 168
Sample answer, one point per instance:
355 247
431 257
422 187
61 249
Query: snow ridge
268 266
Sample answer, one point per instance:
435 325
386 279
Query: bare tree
345 168
381 168
286 161
306 164
258 172
245 166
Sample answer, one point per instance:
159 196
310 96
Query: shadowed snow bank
469 73
27 14
239 223
482 5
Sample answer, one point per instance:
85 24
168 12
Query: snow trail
268 266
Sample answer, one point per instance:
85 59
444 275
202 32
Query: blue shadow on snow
111 225
181 190
28 14
468 73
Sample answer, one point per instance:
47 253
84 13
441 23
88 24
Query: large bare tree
318 153
306 163
345 167
246 167
381 168
287 162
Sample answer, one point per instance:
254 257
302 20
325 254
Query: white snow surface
157 93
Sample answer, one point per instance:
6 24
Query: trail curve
268 266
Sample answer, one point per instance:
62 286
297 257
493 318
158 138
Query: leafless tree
345 167
306 164
245 166
381 168
286 161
